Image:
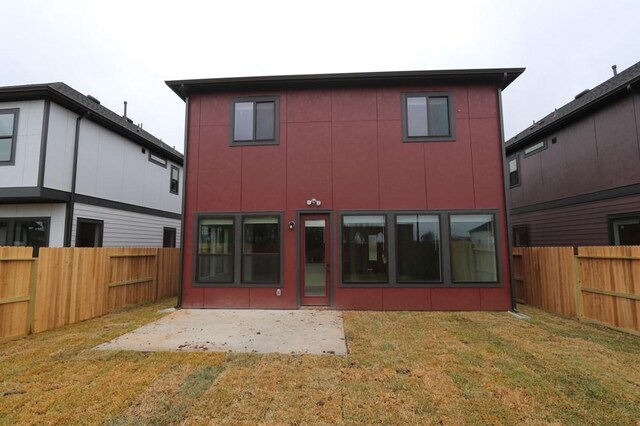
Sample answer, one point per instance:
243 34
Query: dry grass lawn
403 368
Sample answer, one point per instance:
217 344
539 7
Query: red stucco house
355 191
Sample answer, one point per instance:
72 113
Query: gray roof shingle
574 109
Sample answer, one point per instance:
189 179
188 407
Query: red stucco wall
344 147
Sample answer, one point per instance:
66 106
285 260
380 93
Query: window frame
386 249
440 262
436 138
515 158
276 118
14 136
175 236
497 244
11 230
237 249
177 191
90 221
536 150
157 160
445 248
617 217
515 230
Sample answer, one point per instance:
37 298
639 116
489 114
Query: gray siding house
575 174
74 173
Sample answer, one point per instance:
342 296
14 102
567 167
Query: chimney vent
125 109
615 70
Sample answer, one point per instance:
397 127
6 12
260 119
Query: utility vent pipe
125 109
615 70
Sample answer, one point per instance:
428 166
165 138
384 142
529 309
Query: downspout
507 201
184 202
72 198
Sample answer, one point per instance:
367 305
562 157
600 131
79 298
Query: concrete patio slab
224 330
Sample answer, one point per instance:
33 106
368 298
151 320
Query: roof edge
500 76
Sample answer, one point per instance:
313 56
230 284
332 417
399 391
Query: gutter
507 204
184 203
72 198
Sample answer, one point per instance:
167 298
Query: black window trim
157 162
237 249
177 191
276 117
11 228
92 221
445 247
14 136
387 244
515 229
175 235
395 224
452 117
613 217
515 157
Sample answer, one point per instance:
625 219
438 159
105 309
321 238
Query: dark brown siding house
575 174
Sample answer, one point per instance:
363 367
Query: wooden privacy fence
596 284
66 285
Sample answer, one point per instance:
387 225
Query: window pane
534 147
33 233
417 116
261 250
6 124
5 149
473 248
243 121
364 257
418 245
438 116
4 233
514 178
261 268
215 250
265 120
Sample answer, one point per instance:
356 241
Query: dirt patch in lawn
403 367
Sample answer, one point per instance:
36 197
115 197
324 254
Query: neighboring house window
514 174
175 180
249 243
625 229
427 117
261 249
418 248
8 135
255 121
89 232
156 159
364 254
473 248
539 146
521 236
30 232
169 237
215 261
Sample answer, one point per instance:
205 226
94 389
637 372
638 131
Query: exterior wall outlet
278 292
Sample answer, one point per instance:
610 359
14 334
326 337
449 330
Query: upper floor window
8 133
255 121
156 159
175 180
539 146
427 117
514 174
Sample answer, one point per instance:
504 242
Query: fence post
578 286
33 281
156 280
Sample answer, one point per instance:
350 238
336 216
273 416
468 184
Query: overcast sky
125 50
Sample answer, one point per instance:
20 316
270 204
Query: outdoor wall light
314 202
292 225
